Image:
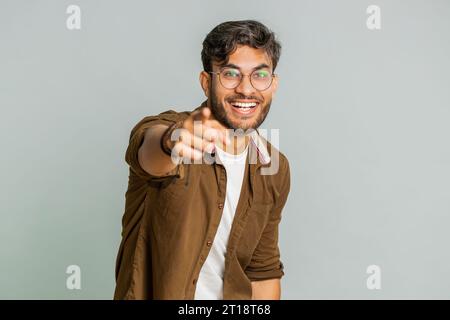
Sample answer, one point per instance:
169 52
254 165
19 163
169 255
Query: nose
245 87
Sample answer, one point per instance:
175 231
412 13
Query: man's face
243 107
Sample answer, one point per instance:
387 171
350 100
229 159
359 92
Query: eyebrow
260 66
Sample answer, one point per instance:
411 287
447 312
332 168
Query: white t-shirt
210 281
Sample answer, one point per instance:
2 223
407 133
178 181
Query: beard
220 113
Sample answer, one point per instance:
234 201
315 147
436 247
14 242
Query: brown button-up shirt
170 222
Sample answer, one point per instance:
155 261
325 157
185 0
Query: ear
205 82
275 84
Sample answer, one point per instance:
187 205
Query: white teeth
244 104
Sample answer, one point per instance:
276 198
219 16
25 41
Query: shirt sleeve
265 263
137 137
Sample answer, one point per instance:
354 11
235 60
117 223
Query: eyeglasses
230 78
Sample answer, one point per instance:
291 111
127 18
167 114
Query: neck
237 146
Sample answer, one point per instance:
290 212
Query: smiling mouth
244 107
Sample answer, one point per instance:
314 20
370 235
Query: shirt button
220 205
209 243
195 281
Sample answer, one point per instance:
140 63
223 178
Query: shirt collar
260 145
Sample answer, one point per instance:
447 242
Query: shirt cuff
266 274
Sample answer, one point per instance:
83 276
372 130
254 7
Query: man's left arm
266 269
266 289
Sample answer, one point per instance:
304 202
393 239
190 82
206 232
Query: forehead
247 58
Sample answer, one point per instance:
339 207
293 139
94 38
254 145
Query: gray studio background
363 115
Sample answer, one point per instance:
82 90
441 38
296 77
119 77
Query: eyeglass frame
273 75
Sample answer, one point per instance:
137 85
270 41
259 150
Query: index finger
203 114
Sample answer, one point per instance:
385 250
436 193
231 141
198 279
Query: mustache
243 97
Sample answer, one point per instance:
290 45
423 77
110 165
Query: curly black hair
224 38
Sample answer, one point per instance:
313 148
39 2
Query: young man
201 219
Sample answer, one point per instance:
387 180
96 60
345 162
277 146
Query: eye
260 74
229 73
